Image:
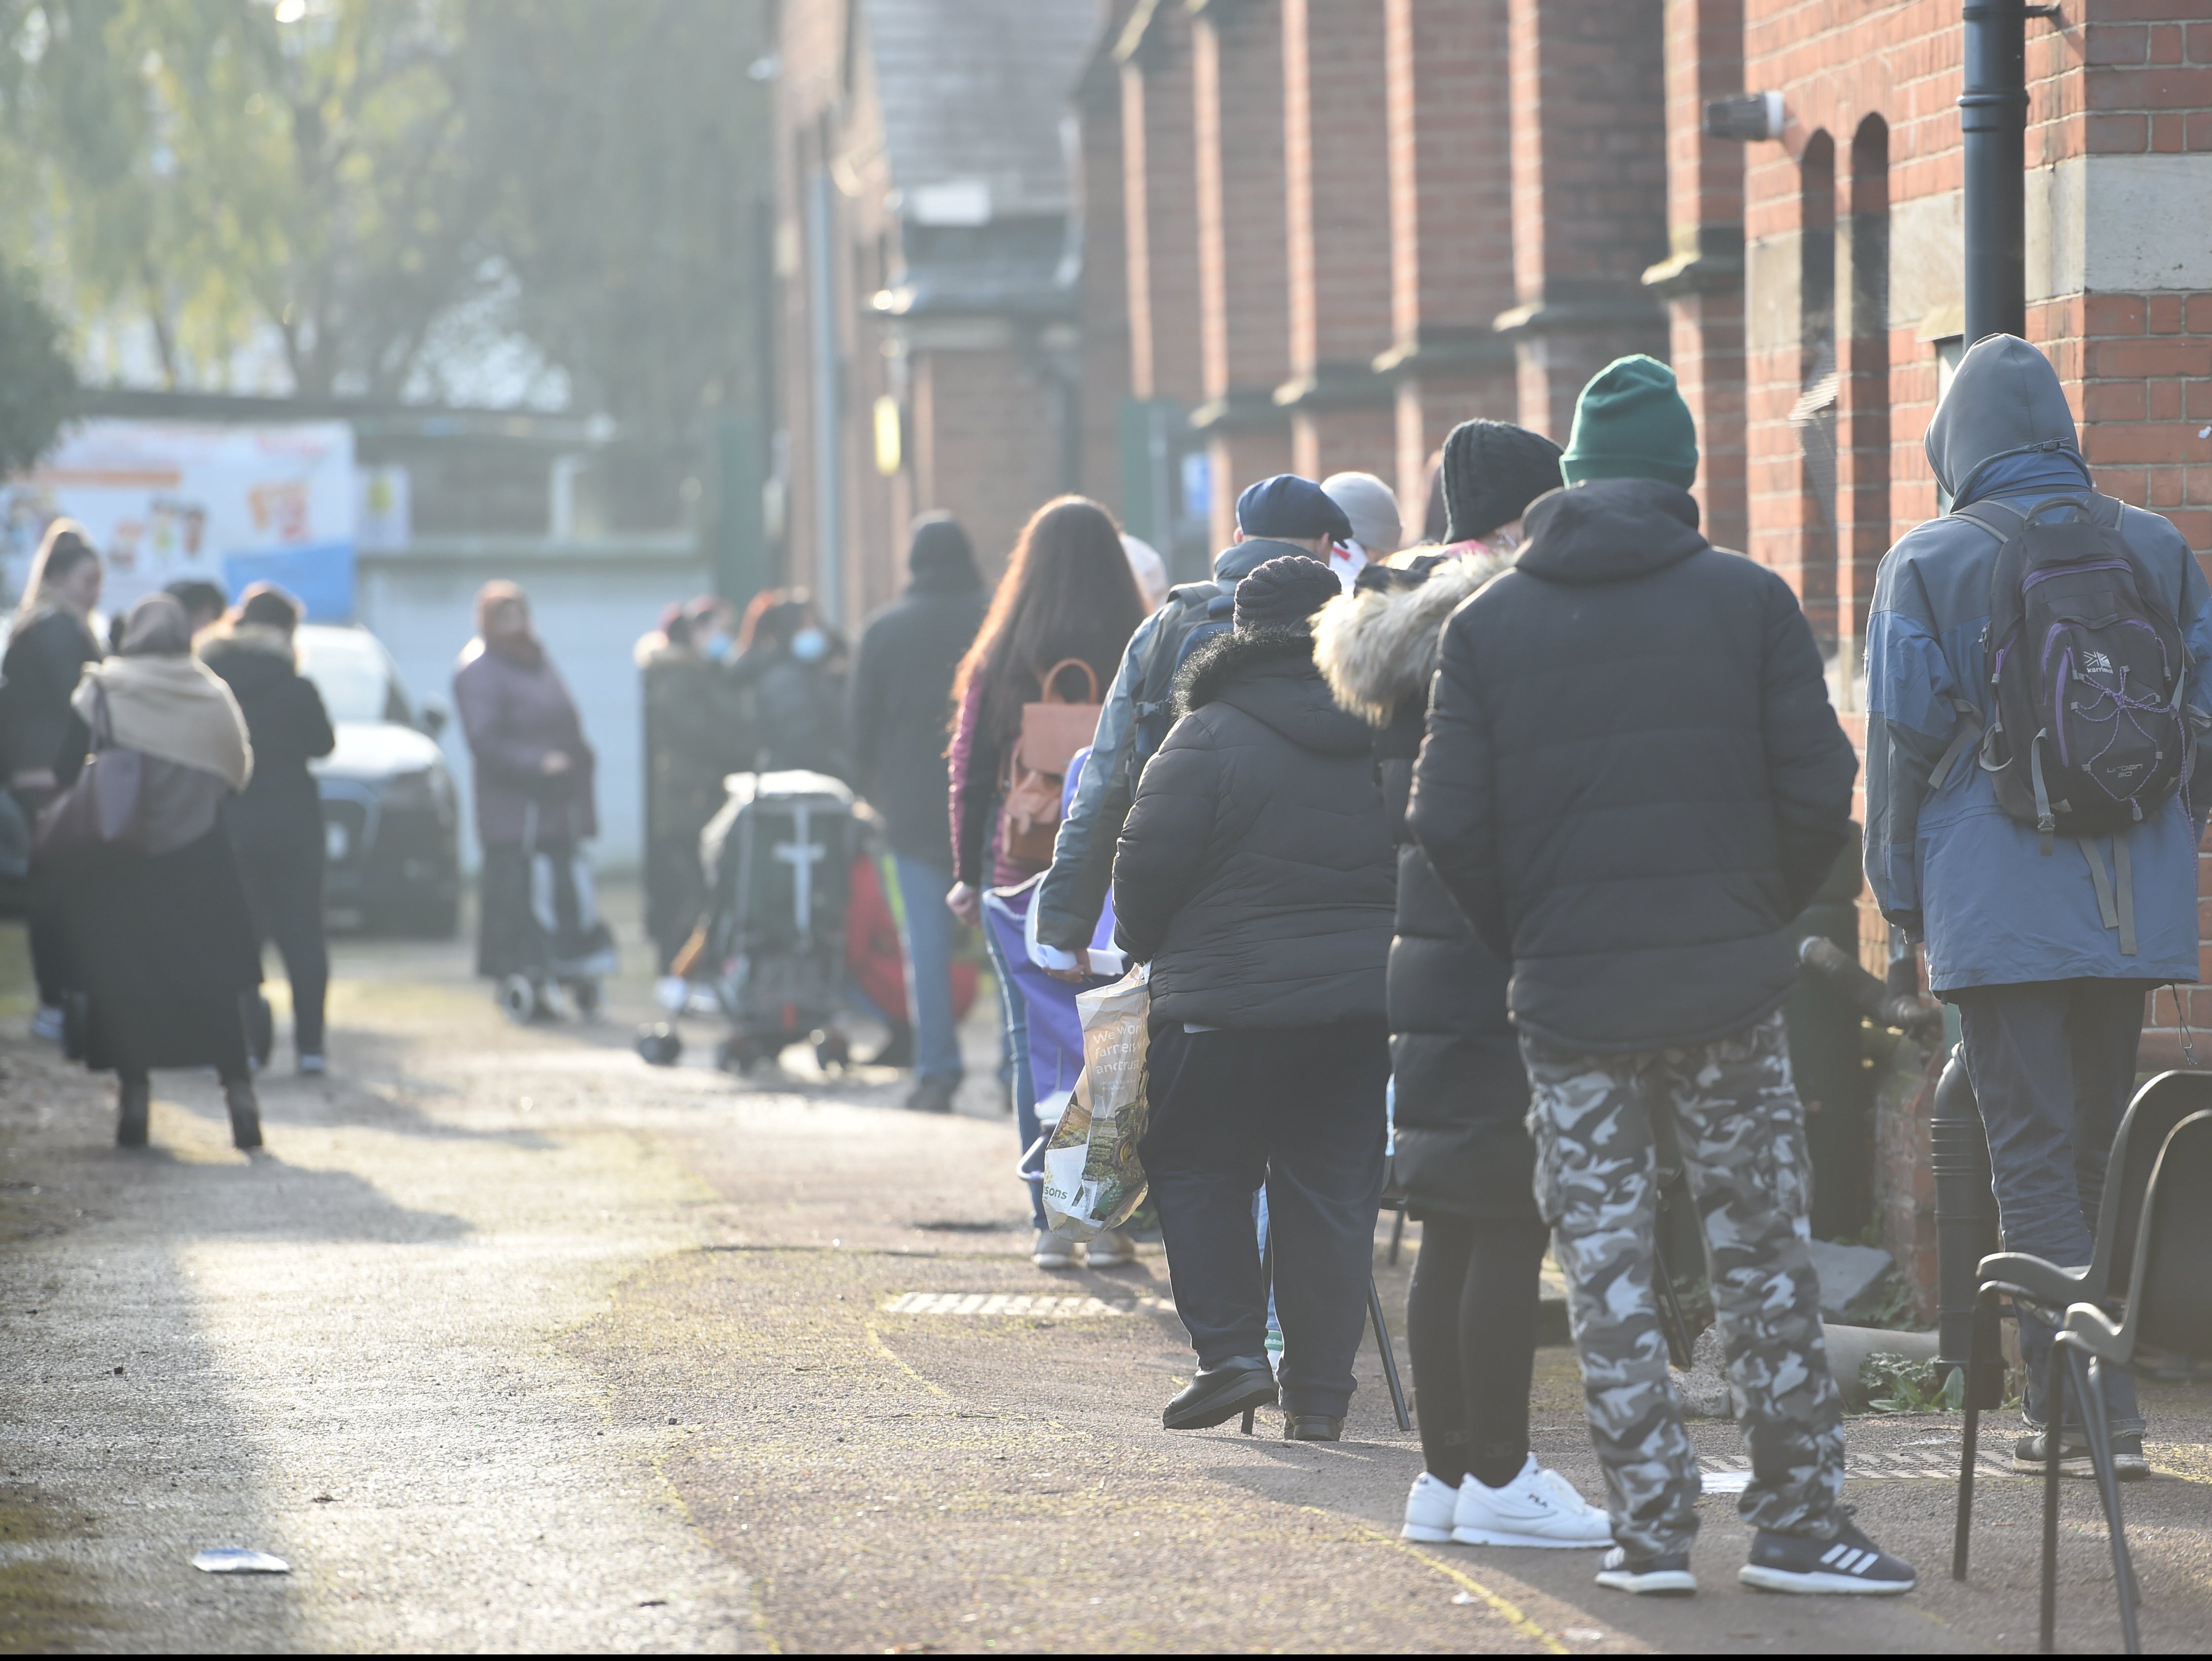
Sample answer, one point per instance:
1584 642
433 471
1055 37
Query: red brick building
1318 232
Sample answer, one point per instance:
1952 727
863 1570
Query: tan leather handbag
1037 767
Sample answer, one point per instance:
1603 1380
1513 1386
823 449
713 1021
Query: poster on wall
165 501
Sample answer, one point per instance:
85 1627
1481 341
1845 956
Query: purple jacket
515 714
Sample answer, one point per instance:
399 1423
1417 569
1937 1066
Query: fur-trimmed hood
1377 647
1269 674
252 638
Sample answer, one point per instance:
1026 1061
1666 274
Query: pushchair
553 949
779 858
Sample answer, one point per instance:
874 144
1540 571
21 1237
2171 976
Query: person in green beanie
1630 423
1631 782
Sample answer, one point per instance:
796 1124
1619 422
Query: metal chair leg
1389 1357
1976 1358
2089 1385
1397 1236
2054 1440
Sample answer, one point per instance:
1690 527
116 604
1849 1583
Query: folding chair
2165 1334
2163 1102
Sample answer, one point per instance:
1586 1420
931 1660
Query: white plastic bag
1092 1176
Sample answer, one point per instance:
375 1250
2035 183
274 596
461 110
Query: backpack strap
1970 730
2116 893
1983 514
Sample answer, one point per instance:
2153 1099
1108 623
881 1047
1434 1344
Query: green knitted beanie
1630 423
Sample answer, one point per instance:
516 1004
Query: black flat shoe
245 1115
1220 1394
1312 1427
133 1102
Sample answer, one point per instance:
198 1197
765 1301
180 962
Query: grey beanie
1372 508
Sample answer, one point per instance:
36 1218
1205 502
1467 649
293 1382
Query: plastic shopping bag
1092 1178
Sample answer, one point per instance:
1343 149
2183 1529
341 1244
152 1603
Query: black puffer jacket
1254 871
1633 778
1462 1094
289 726
44 662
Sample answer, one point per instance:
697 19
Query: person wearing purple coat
533 775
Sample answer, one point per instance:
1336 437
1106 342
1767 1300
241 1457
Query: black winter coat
44 662
1633 778
289 727
902 705
1463 1146
1254 871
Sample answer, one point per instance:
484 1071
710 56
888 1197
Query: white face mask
809 645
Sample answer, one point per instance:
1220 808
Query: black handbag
107 806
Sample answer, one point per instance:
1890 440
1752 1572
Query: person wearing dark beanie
1631 781
1491 472
1256 877
1630 423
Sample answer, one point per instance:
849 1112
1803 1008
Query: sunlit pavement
512 1343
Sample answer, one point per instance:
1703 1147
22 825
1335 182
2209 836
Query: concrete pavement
511 1342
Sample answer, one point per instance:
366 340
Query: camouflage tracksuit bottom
1742 1135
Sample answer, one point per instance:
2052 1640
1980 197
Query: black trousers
283 875
2053 1063
1300 1109
1471 1323
675 894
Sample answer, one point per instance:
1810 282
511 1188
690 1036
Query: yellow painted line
894 1357
1504 1608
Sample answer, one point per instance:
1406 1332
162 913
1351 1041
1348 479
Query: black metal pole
1993 116
1965 1216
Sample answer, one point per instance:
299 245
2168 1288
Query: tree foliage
201 164
36 384
341 175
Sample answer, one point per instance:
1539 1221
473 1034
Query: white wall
591 599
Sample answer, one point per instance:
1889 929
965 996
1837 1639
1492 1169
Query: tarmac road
511 1342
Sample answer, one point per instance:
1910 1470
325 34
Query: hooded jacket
1950 864
1632 777
287 724
1254 871
695 737
901 702
1073 891
1463 1095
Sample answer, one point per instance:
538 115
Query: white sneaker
1052 1249
1536 1508
1109 1249
47 1023
1429 1510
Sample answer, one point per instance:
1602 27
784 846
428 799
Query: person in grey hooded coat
2050 1000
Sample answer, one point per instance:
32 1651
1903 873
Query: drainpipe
1993 117
827 374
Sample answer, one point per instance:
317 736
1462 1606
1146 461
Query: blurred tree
628 146
36 384
212 165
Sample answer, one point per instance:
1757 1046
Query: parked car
390 824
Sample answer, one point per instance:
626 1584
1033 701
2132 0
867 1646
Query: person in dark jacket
276 821
158 940
1462 1154
533 777
900 721
695 737
789 665
1254 876
2049 993
1631 781
51 643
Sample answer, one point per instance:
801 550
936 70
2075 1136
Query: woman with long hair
1067 599
47 649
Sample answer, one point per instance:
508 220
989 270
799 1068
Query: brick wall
981 449
1160 181
1452 226
1103 217
1590 194
1243 288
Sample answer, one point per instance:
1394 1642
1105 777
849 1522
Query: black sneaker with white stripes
1850 1563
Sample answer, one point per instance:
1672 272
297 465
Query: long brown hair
61 551
1068 592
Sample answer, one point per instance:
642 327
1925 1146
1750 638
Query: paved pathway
511 1342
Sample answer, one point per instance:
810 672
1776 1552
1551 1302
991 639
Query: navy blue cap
1288 506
